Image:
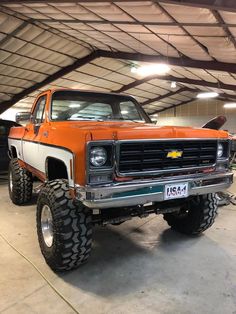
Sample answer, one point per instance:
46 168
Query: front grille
233 145
151 156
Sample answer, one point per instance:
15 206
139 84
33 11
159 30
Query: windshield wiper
84 119
132 120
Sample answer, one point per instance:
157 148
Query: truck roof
52 90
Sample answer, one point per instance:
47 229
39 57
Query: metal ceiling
92 45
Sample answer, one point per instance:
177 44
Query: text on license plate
173 191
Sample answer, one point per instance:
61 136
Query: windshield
76 106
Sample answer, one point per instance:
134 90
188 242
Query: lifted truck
101 161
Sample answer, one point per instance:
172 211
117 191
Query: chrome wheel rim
10 181
46 225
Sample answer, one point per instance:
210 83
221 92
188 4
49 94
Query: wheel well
56 169
13 152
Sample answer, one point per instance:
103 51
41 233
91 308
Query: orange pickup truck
102 161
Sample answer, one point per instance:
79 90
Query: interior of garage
177 58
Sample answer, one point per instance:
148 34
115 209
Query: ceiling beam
173 106
14 32
135 83
219 18
203 83
160 97
193 38
78 63
227 97
183 62
172 78
224 5
222 97
210 65
106 22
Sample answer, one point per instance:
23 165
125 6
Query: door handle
36 128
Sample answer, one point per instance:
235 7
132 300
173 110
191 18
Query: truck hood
131 130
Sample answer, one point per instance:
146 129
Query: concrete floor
139 267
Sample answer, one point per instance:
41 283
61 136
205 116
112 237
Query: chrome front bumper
144 191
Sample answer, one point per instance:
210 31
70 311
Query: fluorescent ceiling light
173 85
133 69
151 69
124 111
230 105
207 95
74 105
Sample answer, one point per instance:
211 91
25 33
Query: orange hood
131 130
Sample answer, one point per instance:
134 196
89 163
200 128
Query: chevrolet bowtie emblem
175 154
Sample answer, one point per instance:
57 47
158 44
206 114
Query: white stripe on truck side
35 154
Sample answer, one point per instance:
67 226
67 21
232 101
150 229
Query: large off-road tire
20 183
64 227
196 216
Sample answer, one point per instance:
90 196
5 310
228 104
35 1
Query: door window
39 111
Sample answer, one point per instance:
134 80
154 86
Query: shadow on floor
120 265
108 270
3 177
171 240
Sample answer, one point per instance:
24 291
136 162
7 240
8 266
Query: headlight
220 150
98 156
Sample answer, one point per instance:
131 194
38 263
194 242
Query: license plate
173 191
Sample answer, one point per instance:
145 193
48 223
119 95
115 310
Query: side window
128 110
39 110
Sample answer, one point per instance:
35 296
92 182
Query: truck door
32 136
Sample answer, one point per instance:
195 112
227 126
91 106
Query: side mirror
23 117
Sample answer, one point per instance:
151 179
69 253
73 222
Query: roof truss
158 98
183 61
78 63
174 106
225 5
172 78
211 65
223 97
